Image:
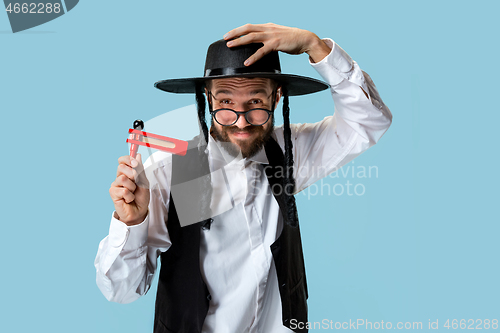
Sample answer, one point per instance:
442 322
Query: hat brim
295 84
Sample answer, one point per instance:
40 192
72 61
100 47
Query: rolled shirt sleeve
126 259
359 120
124 250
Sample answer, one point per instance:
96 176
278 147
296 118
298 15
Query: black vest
182 300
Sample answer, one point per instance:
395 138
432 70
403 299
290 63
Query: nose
242 122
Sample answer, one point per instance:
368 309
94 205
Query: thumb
140 179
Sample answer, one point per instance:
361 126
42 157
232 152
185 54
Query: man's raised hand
130 191
277 38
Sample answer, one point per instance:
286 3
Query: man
239 269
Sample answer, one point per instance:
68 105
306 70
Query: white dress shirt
235 256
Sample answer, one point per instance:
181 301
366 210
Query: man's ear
279 93
208 96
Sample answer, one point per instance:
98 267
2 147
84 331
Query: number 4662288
472 324
34 8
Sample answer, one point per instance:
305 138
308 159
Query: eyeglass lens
255 117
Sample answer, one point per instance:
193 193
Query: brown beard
247 149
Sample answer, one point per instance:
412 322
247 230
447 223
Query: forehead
241 85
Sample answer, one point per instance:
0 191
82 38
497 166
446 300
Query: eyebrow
229 92
223 91
259 91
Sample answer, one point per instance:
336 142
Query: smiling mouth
243 134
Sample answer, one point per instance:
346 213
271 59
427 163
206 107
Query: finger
257 55
128 164
127 160
140 179
126 170
243 30
254 37
124 181
128 196
121 193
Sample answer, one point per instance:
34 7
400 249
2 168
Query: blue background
420 244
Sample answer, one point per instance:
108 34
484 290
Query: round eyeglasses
229 117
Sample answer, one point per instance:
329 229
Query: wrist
137 221
133 222
317 49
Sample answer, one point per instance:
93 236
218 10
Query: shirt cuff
338 60
128 237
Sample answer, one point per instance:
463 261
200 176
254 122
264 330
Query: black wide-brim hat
224 62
